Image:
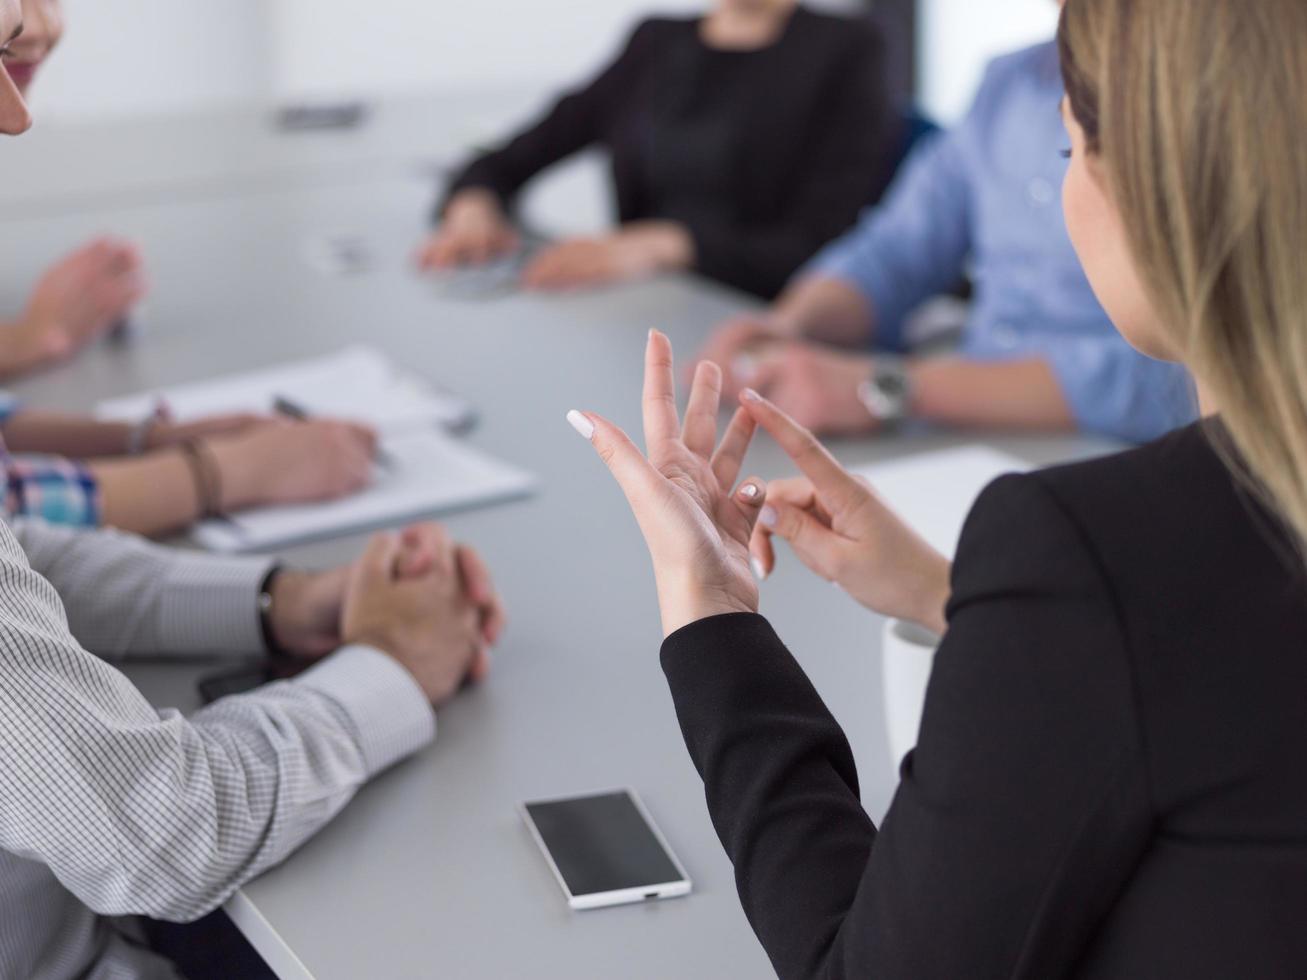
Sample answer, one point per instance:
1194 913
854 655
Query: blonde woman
1110 779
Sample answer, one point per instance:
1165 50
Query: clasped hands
417 595
710 540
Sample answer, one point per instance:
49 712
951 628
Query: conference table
430 872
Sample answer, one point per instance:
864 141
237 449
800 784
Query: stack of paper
934 492
425 469
357 383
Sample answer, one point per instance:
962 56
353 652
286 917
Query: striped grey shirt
109 808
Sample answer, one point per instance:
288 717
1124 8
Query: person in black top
741 142
1109 780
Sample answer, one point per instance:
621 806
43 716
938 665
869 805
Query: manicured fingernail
759 572
581 424
750 491
749 395
767 517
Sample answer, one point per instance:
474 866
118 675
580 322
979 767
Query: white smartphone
604 849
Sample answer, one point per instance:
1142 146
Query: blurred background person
83 296
741 142
1037 350
154 477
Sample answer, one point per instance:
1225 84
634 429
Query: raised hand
697 529
843 531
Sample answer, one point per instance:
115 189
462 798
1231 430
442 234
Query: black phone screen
602 843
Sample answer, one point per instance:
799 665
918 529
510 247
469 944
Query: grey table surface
429 872
91 166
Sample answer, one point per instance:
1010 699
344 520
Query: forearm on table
128 597
1022 394
826 309
65 435
150 495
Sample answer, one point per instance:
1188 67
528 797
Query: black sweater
1111 779
764 156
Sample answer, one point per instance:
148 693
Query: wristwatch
887 394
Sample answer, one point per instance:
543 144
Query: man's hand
735 347
307 606
428 603
814 385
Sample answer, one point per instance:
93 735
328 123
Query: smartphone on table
604 849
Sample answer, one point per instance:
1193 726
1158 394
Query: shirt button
1041 192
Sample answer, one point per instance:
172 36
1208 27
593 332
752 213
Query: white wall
148 56
145 56
332 47
959 36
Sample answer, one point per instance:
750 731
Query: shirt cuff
212 605
390 715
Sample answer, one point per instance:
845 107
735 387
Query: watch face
886 395
893 385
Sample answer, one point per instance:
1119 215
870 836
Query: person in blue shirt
1037 351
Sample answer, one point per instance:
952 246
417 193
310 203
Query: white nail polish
749 395
767 517
749 491
581 424
759 572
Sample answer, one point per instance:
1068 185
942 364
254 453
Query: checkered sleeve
51 488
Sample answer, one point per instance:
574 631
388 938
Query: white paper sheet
426 472
934 492
357 383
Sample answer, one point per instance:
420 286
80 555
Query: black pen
284 406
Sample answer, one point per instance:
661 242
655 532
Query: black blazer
763 155
1111 779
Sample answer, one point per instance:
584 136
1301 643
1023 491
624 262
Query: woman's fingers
700 432
762 556
728 459
815 543
636 476
797 492
659 401
833 482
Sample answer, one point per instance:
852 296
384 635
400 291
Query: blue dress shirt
985 198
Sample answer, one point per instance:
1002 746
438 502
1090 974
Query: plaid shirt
51 488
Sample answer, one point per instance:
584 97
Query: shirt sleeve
1021 813
160 815
852 136
9 404
912 246
51 488
1114 390
127 597
574 122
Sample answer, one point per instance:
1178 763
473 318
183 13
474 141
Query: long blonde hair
1197 110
